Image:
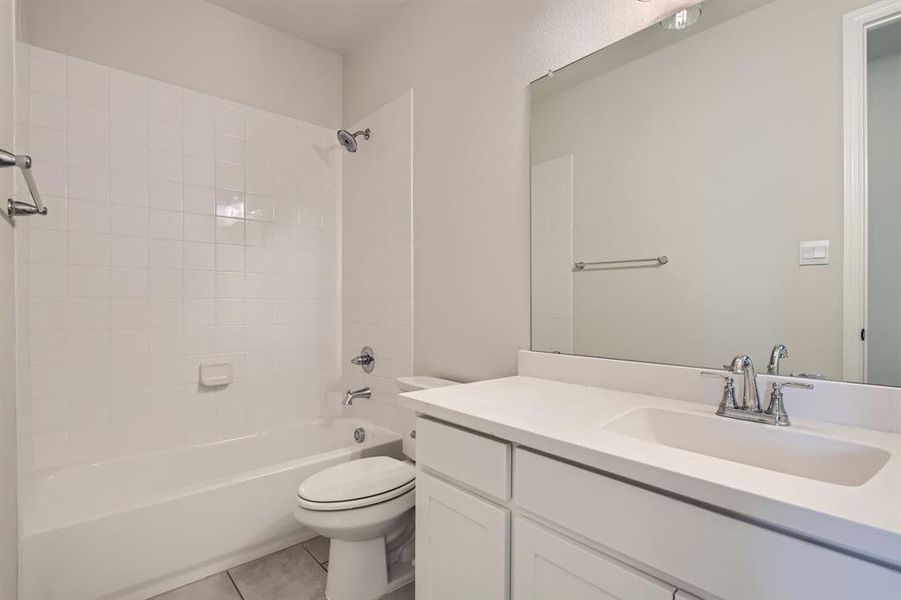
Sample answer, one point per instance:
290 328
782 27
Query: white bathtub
133 527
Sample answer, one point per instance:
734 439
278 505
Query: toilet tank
416 383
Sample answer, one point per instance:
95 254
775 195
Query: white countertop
566 420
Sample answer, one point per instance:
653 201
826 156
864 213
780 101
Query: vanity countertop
566 420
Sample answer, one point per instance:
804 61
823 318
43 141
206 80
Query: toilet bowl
366 508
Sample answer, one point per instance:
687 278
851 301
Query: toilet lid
356 480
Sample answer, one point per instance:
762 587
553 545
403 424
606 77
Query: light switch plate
813 253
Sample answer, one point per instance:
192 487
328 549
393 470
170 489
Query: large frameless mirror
691 197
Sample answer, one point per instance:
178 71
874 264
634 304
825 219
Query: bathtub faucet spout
350 396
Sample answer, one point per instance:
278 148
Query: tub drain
359 435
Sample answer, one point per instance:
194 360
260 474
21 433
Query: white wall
377 261
884 206
196 45
9 534
470 64
722 151
182 228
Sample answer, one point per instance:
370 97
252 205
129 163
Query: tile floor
295 573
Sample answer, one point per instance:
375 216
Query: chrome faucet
749 409
743 365
779 352
351 395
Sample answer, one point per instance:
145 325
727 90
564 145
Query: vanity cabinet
547 565
581 534
462 544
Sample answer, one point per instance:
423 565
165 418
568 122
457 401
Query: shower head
349 140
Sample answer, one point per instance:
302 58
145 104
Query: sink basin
764 446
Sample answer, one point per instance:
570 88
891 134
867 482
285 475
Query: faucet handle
728 399
777 405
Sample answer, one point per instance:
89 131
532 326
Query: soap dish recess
214 374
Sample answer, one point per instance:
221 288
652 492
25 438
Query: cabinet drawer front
547 567
461 544
470 458
721 555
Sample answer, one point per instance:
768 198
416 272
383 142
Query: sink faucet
743 365
779 352
749 409
350 396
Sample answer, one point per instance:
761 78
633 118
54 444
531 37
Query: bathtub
132 527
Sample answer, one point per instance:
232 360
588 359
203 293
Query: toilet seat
356 484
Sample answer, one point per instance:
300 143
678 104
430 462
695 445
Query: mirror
689 194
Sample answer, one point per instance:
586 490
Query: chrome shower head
349 140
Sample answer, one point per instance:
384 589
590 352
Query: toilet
366 508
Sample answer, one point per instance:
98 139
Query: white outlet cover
813 253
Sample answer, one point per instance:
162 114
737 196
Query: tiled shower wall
377 258
182 228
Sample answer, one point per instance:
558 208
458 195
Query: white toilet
365 507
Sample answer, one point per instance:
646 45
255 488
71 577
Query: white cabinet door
461 544
547 566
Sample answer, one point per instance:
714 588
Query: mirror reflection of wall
883 357
721 147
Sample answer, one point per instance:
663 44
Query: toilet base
357 570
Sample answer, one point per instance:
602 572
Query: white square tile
229 149
89 184
50 448
199 111
129 313
200 340
165 103
130 437
166 195
258 180
127 189
88 119
200 312
198 143
259 208
200 255
88 281
257 155
199 171
48 347
167 312
128 220
257 129
130 343
229 176
88 249
167 254
89 411
229 231
166 165
48 280
49 144
128 93
128 159
199 228
47 111
229 258
129 251
52 311
229 203
90 443
164 136
90 85
165 224
257 260
128 128
230 312
166 283
200 284
47 246
167 342
88 217
88 151
230 285
88 313
129 282
47 77
229 120
88 346
199 199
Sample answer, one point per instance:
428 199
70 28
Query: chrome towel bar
660 260
14 207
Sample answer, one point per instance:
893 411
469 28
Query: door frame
855 26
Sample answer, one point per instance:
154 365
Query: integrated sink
777 449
